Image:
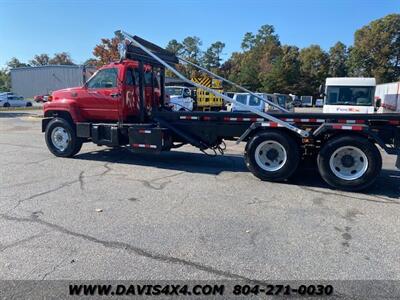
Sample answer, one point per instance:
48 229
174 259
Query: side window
131 78
136 75
106 78
254 101
186 93
242 98
148 76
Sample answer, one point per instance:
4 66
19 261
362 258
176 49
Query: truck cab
112 94
349 95
179 98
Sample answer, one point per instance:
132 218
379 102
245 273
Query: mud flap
397 146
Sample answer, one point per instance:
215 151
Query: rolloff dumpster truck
123 105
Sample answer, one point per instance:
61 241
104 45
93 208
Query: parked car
179 98
41 98
306 101
319 103
11 100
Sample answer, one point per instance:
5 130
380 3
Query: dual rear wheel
344 162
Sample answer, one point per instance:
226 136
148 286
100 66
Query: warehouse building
42 80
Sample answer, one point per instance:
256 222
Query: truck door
131 92
100 99
148 88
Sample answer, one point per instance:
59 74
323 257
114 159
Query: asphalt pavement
111 214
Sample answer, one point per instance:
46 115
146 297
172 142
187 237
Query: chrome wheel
60 138
348 163
270 156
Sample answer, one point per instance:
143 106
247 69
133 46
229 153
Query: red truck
123 103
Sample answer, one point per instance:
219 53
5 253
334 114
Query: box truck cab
349 95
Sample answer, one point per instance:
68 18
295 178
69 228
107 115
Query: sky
29 27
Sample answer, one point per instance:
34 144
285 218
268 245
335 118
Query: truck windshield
170 91
281 100
349 95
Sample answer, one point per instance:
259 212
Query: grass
20 108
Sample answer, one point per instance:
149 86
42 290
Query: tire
28 104
350 163
6 104
61 129
272 155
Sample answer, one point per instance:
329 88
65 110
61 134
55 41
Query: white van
260 105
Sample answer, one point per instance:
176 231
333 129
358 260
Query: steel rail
131 39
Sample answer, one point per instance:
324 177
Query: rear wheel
28 104
349 163
272 156
61 138
6 104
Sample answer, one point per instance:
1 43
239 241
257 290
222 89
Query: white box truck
349 95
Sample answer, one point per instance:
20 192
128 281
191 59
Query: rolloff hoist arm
138 42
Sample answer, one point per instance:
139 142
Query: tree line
265 64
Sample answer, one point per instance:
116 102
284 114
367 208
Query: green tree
192 52
40 60
15 63
376 50
5 82
175 47
261 50
314 68
248 41
212 57
338 60
284 74
266 34
191 48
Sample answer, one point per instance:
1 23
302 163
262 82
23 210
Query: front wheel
6 104
349 163
272 156
61 138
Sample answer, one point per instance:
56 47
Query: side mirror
378 102
321 90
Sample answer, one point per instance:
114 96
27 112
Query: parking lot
111 214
